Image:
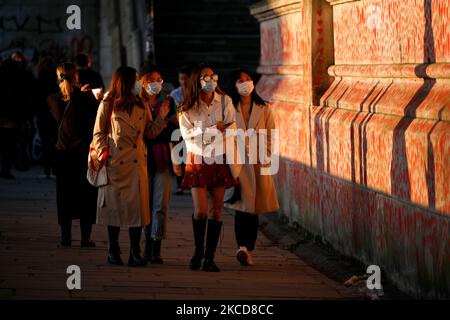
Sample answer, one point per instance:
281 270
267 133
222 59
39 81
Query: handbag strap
108 123
222 100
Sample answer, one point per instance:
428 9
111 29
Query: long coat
258 193
76 198
124 201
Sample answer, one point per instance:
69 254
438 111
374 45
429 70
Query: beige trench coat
124 201
258 193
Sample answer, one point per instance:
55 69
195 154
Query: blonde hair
66 78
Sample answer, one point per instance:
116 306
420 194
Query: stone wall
365 160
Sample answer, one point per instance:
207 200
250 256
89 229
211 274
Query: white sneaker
250 258
242 256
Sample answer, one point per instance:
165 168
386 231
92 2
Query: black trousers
85 227
246 229
8 140
135 238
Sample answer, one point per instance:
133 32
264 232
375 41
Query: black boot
148 243
199 227
86 230
156 252
148 249
135 259
114 248
212 239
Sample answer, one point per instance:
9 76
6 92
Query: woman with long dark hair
75 112
205 109
123 122
258 195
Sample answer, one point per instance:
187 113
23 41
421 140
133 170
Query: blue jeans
161 188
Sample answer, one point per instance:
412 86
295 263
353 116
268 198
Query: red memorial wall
361 93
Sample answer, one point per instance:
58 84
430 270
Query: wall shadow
400 183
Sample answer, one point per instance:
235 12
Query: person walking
74 112
122 123
161 170
46 85
205 109
258 195
177 94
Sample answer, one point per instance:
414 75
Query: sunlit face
206 72
17 57
152 77
183 79
243 77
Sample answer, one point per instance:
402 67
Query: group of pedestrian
132 124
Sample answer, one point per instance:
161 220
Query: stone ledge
413 98
283 69
270 9
426 71
336 2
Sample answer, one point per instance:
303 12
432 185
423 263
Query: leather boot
212 239
199 228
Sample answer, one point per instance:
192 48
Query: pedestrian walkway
33 266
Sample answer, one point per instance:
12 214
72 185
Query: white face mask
245 88
137 88
154 88
209 86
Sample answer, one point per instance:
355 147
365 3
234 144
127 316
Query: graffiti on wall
36 24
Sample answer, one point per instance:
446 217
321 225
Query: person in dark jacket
87 76
10 115
75 112
47 126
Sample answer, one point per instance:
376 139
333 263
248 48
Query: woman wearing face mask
123 122
205 109
258 195
74 112
160 167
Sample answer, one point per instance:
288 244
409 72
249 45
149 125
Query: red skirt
208 176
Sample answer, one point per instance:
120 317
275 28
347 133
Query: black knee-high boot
212 239
135 259
114 248
199 228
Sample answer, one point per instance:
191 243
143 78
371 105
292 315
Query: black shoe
66 243
156 252
135 259
87 244
114 258
210 266
7 176
148 249
156 260
196 262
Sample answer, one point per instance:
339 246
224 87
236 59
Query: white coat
258 193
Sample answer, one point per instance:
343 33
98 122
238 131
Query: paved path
33 266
